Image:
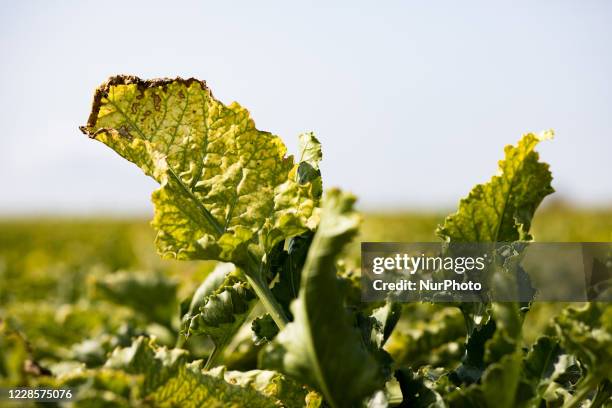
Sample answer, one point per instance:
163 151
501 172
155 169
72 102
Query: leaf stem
263 292
216 352
266 297
180 341
207 215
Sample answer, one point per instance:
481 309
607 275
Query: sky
413 101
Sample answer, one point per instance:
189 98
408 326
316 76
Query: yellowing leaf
226 187
144 374
501 210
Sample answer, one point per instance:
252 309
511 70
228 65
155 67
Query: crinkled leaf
501 210
427 338
219 306
322 347
165 378
539 364
226 187
220 314
101 387
499 387
209 286
264 329
545 369
587 333
93 351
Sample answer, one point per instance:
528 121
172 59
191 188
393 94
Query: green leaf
489 342
210 285
322 347
416 391
227 188
501 210
224 275
539 364
473 363
375 331
264 329
290 269
603 395
427 337
587 333
378 326
93 351
499 387
14 355
544 369
287 267
219 314
164 378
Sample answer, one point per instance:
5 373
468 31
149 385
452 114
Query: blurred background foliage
71 290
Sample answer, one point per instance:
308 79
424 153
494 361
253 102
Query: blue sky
413 101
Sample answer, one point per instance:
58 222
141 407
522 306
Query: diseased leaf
226 187
165 378
501 210
322 347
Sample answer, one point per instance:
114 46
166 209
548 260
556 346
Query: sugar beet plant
229 193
